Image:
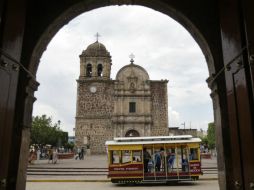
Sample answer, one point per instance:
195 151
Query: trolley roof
153 140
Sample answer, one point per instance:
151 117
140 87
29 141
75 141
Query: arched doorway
224 43
132 133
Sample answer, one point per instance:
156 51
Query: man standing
158 156
82 153
147 157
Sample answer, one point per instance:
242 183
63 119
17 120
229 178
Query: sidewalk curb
207 179
68 180
91 180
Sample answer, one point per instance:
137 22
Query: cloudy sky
160 45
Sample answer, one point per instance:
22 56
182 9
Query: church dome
132 70
96 49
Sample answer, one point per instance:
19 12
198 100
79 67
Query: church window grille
89 70
132 107
99 70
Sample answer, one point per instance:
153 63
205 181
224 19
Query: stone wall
103 114
159 108
96 104
97 131
93 117
177 131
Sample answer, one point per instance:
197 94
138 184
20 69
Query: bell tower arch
95 62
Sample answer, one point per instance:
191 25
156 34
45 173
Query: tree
204 140
70 145
44 132
211 135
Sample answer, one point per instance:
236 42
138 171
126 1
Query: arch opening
89 70
99 70
204 48
80 8
132 133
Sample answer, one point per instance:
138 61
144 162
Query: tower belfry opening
99 70
89 70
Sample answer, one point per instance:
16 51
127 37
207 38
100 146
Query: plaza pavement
95 161
197 185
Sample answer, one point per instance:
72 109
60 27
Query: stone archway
223 30
41 39
132 133
207 45
81 7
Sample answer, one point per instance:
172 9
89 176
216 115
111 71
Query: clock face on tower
93 89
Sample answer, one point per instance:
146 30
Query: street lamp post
183 125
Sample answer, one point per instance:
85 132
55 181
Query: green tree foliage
204 140
211 135
70 145
44 132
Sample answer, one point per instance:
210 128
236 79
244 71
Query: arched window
132 133
89 70
99 70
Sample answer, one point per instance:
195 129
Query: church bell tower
95 62
94 98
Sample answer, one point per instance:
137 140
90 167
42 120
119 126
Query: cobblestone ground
199 185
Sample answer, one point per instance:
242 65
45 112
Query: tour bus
153 159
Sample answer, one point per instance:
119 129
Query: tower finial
97 35
132 56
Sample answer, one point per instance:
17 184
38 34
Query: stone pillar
94 70
25 134
105 70
219 132
82 68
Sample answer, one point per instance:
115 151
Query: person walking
82 153
78 154
55 156
38 154
50 153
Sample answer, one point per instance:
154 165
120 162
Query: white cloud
174 117
161 45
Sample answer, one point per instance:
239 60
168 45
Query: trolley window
136 156
115 157
126 156
193 153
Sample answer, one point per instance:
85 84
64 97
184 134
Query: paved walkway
198 185
95 161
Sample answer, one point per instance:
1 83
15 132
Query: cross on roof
97 35
132 56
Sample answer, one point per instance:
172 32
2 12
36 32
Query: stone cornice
95 80
131 118
132 95
132 115
159 81
132 122
93 117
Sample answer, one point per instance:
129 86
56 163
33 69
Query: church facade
130 105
